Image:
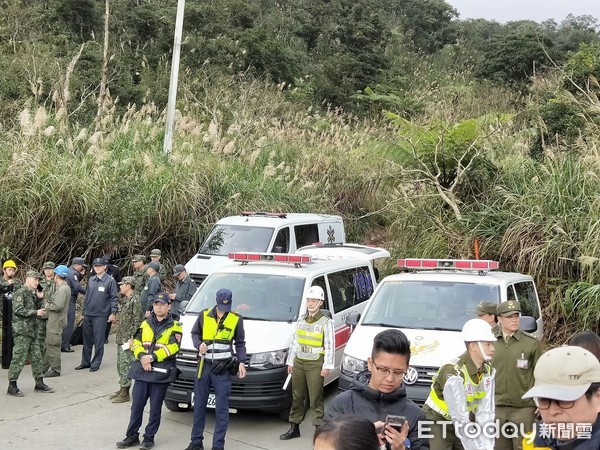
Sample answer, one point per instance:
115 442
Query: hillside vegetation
430 135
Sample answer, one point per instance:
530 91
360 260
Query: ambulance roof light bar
481 265
263 214
246 257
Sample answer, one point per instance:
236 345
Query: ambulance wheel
174 406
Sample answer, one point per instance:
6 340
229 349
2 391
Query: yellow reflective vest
474 390
218 336
309 338
165 346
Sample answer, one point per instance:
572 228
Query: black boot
14 390
129 441
40 386
292 433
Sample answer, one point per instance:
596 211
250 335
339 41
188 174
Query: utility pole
168 144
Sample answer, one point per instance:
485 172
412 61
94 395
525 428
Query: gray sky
538 10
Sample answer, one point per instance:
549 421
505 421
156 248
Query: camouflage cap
155 252
486 308
49 265
128 280
136 258
33 274
508 308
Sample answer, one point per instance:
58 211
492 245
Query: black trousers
68 331
94 329
142 391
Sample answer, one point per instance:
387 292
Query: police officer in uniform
152 287
215 332
463 392
310 359
487 311
154 346
184 289
516 355
24 329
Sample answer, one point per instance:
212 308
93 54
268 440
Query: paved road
80 415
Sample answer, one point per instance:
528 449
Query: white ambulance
268 291
262 232
430 303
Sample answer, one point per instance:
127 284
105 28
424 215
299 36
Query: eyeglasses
385 372
544 403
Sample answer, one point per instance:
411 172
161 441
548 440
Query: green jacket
57 307
24 312
130 318
512 382
444 373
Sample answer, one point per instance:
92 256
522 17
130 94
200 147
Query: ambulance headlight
268 360
351 366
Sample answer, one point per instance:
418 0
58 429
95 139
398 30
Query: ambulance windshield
428 305
224 239
255 296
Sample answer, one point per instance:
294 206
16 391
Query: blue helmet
62 271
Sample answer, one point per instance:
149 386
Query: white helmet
477 330
316 292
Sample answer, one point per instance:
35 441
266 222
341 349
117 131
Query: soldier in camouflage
24 329
130 317
48 287
155 256
140 275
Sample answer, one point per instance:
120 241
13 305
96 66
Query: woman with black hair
346 433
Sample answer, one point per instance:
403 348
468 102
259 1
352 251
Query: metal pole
168 143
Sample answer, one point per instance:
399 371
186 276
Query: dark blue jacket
73 278
101 298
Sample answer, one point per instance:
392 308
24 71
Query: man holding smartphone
379 395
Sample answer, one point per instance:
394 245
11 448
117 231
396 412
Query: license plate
210 403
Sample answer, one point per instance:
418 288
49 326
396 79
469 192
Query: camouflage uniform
141 278
24 334
130 317
48 287
162 273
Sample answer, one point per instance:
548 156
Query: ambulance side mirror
352 320
528 324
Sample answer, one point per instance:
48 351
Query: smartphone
394 421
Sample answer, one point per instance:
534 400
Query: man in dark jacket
184 289
100 307
379 391
152 288
154 346
73 278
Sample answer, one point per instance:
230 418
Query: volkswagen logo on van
411 376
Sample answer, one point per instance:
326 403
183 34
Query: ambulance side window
527 298
306 234
350 287
282 241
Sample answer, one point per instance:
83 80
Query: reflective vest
218 336
309 338
164 346
528 442
475 391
